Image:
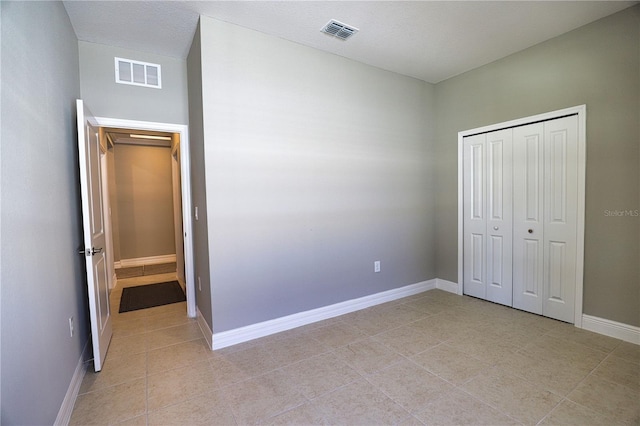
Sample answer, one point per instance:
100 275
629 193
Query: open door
94 236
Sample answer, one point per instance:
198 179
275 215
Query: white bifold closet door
488 216
545 209
520 188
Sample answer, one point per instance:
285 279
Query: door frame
581 112
185 175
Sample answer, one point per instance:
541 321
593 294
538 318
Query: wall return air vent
138 73
339 30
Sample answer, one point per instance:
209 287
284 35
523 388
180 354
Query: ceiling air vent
339 30
138 73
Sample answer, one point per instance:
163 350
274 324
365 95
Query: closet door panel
499 216
474 210
528 217
560 237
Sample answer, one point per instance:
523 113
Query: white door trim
581 111
185 174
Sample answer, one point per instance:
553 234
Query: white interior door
560 217
93 225
528 221
475 221
487 216
499 216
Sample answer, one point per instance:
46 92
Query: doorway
174 139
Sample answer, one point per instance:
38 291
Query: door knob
495 228
530 231
90 252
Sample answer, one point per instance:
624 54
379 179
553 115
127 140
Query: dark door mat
148 296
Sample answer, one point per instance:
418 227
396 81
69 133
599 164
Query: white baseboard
66 409
204 327
618 330
445 285
141 261
261 329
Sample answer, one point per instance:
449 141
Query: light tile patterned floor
433 358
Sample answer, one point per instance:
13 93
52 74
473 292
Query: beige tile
209 408
225 372
560 378
456 407
551 349
136 421
469 315
569 413
409 385
487 347
518 331
410 421
402 314
253 361
584 337
172 319
450 364
621 371
368 356
190 384
176 356
124 346
628 351
442 327
172 335
111 405
408 339
316 376
359 403
115 371
123 327
173 386
369 321
512 395
428 305
337 334
305 414
260 398
293 349
608 398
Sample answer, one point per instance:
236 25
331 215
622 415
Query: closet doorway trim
581 112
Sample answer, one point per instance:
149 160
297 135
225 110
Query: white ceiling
429 40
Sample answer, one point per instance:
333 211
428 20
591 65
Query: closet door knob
495 228
530 231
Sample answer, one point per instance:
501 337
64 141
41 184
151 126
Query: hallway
432 358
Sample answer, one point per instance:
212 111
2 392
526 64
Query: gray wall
42 274
106 98
316 166
198 192
596 65
144 191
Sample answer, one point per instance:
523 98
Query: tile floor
433 358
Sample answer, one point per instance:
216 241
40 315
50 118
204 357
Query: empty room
382 212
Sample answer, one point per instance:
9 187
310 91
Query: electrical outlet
199 285
71 326
376 266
